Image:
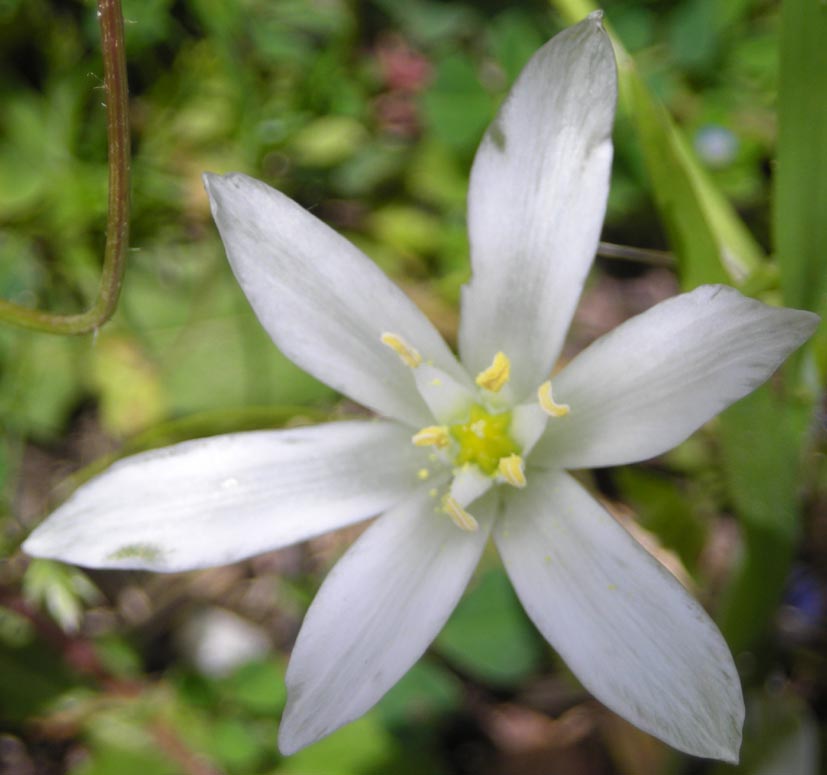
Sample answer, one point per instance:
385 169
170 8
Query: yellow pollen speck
433 492
511 469
547 403
496 375
423 473
410 357
436 382
459 516
612 587
432 436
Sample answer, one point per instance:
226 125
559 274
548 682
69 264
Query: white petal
376 613
321 300
448 400
651 382
218 500
536 203
623 624
527 425
469 483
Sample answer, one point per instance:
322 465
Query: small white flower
464 450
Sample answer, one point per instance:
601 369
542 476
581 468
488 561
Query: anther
496 375
432 436
547 403
512 469
410 357
459 516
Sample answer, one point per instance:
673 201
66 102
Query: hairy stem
117 227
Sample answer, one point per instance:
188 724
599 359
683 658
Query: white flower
490 443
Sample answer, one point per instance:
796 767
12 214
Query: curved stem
117 227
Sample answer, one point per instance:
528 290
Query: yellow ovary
483 439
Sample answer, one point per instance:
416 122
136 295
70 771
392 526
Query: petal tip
288 745
294 735
728 752
31 546
597 18
40 543
212 181
811 321
215 182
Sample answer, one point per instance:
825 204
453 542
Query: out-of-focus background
369 113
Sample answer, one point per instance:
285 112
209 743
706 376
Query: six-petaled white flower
464 450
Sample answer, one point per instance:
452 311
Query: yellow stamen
409 356
432 436
547 403
423 474
512 469
496 375
459 516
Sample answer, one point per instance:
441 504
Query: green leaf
435 177
235 744
489 635
695 35
800 202
257 687
106 759
427 21
406 229
131 396
31 679
426 691
61 589
118 656
16 630
456 107
665 510
361 747
514 38
40 379
760 444
210 350
328 141
781 736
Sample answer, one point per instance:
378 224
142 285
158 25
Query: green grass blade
800 204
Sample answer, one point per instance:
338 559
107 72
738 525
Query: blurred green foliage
369 113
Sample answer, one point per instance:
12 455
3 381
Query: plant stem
117 227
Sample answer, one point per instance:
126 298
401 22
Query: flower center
483 440
483 433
